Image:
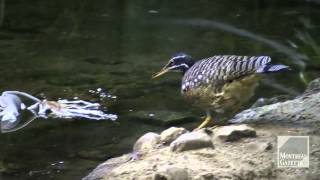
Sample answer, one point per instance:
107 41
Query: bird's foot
215 126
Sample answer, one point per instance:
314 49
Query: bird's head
180 62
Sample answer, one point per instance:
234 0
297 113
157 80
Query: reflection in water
297 57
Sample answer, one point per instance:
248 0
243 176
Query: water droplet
152 11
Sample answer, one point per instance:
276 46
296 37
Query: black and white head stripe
178 56
179 66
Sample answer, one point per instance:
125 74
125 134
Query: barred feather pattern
218 70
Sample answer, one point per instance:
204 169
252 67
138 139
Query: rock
206 176
169 135
171 173
233 132
192 140
160 176
313 87
163 118
266 101
259 146
146 142
301 110
105 168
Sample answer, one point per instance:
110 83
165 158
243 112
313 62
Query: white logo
293 151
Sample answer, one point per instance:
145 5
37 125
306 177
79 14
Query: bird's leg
206 121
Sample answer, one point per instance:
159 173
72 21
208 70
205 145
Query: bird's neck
187 67
184 70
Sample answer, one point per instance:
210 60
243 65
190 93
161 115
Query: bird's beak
161 72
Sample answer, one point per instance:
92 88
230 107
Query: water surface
63 49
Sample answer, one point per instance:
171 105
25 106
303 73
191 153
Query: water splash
11 107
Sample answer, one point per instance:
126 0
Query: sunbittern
219 84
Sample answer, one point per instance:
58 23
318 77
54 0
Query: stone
300 110
193 140
267 101
259 146
164 117
313 87
206 176
160 176
105 168
233 132
146 142
172 173
171 134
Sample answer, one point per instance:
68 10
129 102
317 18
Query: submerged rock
233 132
193 140
169 135
163 117
146 142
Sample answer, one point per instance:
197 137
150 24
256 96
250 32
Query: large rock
233 132
103 169
146 142
169 135
301 110
192 140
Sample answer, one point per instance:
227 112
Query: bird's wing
243 65
220 69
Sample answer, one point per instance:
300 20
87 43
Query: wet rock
105 168
169 135
146 142
172 173
192 140
233 132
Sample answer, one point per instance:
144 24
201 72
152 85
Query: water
63 49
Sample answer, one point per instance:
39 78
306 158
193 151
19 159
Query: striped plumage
215 83
220 83
218 70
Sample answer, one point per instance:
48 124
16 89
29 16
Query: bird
221 83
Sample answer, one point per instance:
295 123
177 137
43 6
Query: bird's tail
270 68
